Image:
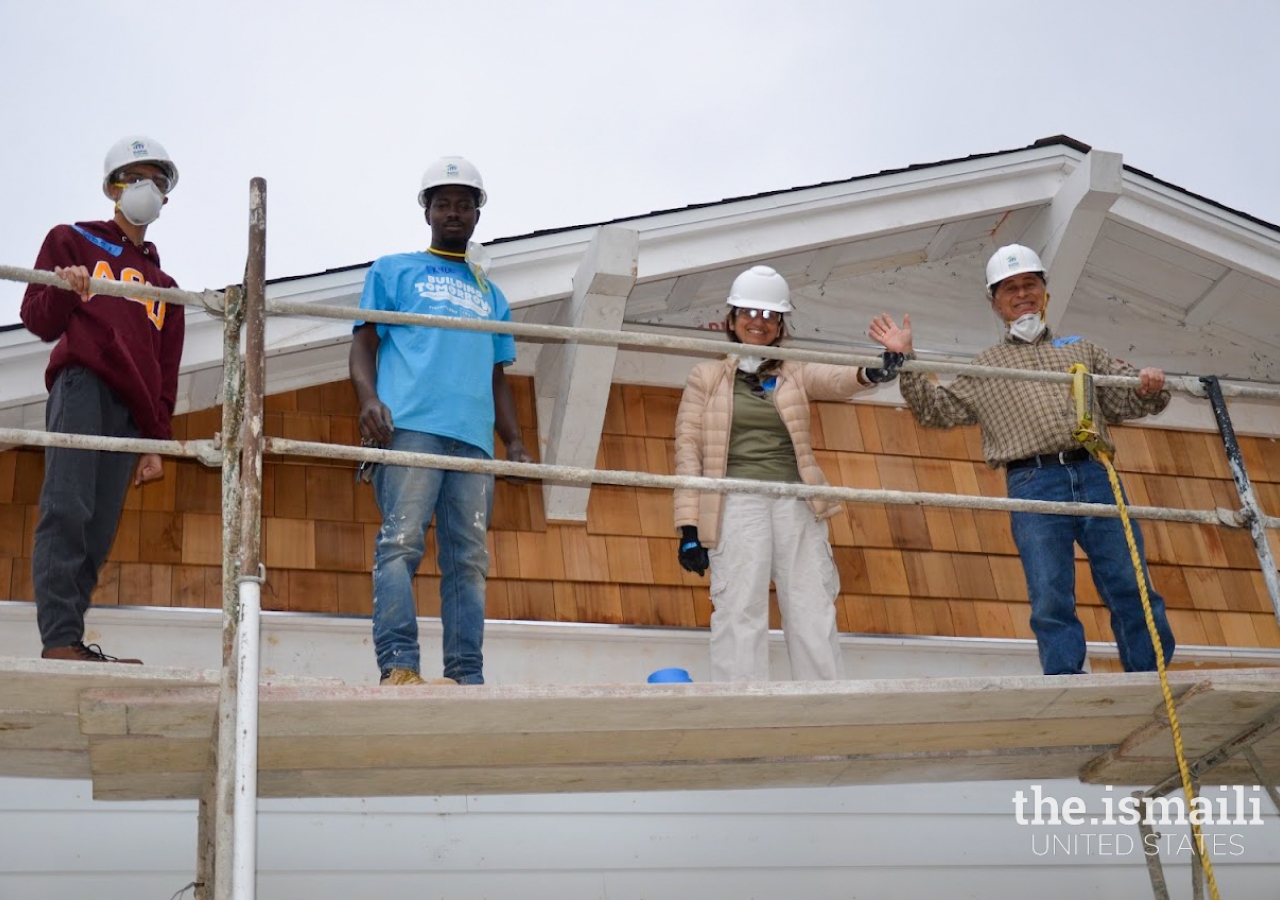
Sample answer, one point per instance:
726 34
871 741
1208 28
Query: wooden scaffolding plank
39 710
118 755
143 733
366 741
41 732
307 711
694 775
1210 714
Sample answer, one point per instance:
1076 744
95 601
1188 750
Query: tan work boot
82 653
398 677
441 680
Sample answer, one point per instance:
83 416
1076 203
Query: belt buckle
1062 457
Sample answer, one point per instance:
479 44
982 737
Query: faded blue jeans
1046 544
461 503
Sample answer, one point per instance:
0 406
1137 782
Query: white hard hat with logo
1011 260
137 148
760 287
452 170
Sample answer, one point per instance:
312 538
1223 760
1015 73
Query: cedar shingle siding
903 570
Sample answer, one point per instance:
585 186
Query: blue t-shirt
436 380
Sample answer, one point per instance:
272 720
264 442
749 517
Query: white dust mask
478 257
477 260
1027 328
750 364
140 202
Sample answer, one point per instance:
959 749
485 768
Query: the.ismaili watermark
1236 806
1127 810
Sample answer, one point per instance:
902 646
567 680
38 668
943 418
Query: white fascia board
330 289
24 360
1199 227
322 288
791 227
1034 164
15 337
540 268
1065 231
309 365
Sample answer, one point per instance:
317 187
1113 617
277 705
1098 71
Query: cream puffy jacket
706 414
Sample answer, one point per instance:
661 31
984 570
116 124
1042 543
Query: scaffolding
230 789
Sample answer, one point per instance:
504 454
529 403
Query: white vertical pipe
244 858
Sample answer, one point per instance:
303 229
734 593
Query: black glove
889 368
693 556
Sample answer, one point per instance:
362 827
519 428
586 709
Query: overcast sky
578 112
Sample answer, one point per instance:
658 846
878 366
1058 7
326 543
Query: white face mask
140 202
478 257
1027 328
750 364
477 260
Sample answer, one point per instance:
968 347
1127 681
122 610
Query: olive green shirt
759 444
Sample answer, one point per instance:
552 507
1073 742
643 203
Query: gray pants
80 503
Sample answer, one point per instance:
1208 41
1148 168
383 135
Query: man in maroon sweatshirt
113 372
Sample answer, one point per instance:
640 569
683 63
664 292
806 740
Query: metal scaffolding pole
1251 512
236 792
244 860
1155 871
215 807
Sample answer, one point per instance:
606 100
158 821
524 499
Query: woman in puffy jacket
748 417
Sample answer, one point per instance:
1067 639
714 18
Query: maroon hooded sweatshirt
134 346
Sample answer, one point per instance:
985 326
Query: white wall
952 840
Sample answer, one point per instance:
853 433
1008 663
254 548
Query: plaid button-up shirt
1026 418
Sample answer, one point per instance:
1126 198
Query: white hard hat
137 148
760 287
1011 260
452 170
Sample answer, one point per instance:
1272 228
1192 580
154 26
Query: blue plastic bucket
670 676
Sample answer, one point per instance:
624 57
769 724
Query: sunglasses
765 314
126 179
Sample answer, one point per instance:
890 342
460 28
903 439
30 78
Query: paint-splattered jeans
461 503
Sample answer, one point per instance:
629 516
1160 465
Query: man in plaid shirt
1027 427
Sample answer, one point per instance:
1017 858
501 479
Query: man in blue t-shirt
441 391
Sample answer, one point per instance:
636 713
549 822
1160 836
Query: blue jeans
1046 544
461 503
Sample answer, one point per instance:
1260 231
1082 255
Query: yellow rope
1174 728
1088 435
